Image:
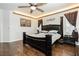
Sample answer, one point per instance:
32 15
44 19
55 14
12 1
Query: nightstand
69 39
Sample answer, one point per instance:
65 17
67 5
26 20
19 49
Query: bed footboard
42 44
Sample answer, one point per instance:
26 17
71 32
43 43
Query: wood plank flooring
63 50
17 49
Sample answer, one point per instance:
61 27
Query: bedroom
18 24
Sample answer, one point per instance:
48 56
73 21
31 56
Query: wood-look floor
17 49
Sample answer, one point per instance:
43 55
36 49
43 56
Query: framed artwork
25 22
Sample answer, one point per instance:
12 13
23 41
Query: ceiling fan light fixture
33 7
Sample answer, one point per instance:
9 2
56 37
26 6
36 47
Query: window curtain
40 22
72 17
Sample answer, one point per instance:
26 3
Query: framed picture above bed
25 22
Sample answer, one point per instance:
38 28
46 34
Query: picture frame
25 22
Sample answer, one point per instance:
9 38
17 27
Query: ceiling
49 7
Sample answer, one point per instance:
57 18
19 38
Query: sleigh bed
44 41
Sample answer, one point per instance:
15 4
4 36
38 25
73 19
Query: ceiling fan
33 7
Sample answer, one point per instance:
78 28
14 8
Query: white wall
10 29
1 32
54 20
4 25
67 27
16 31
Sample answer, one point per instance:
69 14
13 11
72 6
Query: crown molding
23 14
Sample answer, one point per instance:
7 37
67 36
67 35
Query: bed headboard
54 27
51 27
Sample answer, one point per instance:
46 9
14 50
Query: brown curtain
71 17
40 22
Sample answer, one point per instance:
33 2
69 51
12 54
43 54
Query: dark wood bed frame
43 44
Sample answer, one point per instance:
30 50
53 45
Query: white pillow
54 31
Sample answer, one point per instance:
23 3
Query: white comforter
55 36
36 35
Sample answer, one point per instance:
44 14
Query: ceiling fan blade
39 9
23 6
31 11
40 4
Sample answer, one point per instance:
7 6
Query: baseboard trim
10 41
